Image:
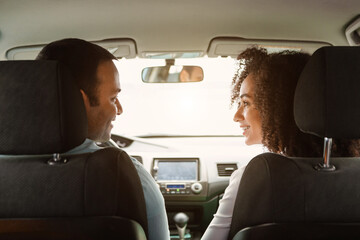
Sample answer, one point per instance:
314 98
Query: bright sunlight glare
194 108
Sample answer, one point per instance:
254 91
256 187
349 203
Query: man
98 79
191 74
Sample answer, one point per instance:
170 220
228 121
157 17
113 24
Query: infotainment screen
177 170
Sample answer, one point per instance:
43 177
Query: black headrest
41 108
327 98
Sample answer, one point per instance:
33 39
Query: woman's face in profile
247 114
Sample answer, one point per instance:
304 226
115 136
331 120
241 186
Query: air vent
225 170
121 141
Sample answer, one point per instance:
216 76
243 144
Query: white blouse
220 225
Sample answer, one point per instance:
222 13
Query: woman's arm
220 225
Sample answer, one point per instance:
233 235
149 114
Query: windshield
193 108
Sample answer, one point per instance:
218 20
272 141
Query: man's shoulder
136 162
87 146
146 179
140 168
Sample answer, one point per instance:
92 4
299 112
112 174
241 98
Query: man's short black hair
82 59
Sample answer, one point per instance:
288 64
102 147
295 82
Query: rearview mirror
172 74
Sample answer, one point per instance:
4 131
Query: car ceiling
173 25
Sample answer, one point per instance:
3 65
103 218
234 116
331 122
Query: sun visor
229 46
352 32
120 48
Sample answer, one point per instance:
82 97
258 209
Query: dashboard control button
196 188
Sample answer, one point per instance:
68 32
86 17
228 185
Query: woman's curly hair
276 76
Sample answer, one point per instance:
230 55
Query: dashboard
177 176
191 172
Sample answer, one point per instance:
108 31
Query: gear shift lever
181 220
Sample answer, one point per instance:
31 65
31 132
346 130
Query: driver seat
45 193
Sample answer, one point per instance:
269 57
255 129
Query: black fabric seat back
85 228
278 190
300 231
41 114
41 109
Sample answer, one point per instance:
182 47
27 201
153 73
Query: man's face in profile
100 116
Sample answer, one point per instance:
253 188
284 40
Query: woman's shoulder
237 173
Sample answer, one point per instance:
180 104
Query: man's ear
86 99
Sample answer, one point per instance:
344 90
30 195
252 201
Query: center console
184 186
179 178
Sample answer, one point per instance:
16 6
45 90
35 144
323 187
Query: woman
264 87
267 86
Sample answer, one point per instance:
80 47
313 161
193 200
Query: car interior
176 61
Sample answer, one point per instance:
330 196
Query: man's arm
155 205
